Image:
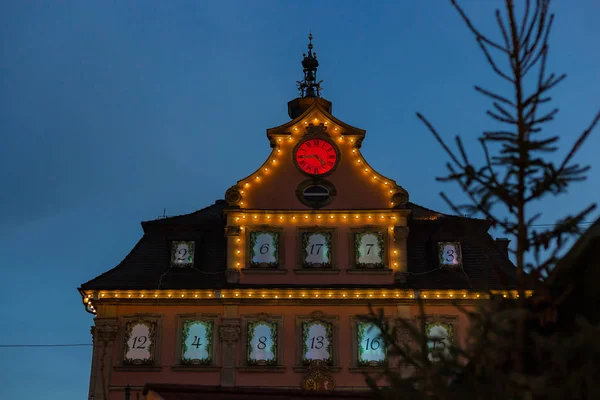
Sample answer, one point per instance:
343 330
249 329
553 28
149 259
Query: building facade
264 294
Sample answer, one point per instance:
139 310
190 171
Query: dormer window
182 253
450 254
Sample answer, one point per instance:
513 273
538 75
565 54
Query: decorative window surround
355 365
212 364
183 253
383 243
245 364
302 265
449 254
317 316
154 323
280 267
446 324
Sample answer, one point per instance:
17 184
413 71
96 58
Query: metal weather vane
310 87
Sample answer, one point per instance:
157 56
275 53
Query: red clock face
316 156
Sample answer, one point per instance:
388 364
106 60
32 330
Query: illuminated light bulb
393 217
366 169
266 169
352 140
341 138
279 140
358 160
272 161
329 294
263 295
305 123
325 122
237 219
382 217
255 216
302 294
391 191
354 150
331 216
289 138
370 295
209 295
357 217
395 251
306 216
295 129
236 295
280 217
238 264
392 228
344 217
196 295
384 295
183 295
316 120
464 295
385 183
504 295
316 295
129 295
257 178
344 295
238 252
241 203
451 295
155 295
142 295
279 151
477 295
335 129
169 294
244 217
425 295
369 217
290 295
102 294
293 217
356 295
276 296
268 217
318 216
392 203
410 296
239 240
395 264
374 177
116 295
249 294
438 295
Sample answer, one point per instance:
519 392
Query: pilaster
229 334
104 334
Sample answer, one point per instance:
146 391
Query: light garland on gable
287 141
288 294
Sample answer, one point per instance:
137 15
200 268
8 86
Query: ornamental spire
310 87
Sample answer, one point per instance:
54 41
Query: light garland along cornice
289 140
287 294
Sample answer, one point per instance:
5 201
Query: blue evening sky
111 111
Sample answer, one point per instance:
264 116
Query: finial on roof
310 87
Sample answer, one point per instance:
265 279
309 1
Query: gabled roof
147 266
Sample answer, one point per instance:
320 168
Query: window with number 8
262 343
371 347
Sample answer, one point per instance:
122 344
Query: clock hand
310 156
319 158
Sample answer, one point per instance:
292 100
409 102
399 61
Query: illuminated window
196 340
264 249
369 249
371 349
261 343
317 336
182 253
316 249
439 338
139 338
449 254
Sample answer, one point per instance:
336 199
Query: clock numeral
316 142
330 149
309 144
302 163
330 164
331 156
315 170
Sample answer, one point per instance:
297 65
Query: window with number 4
449 254
182 253
196 342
